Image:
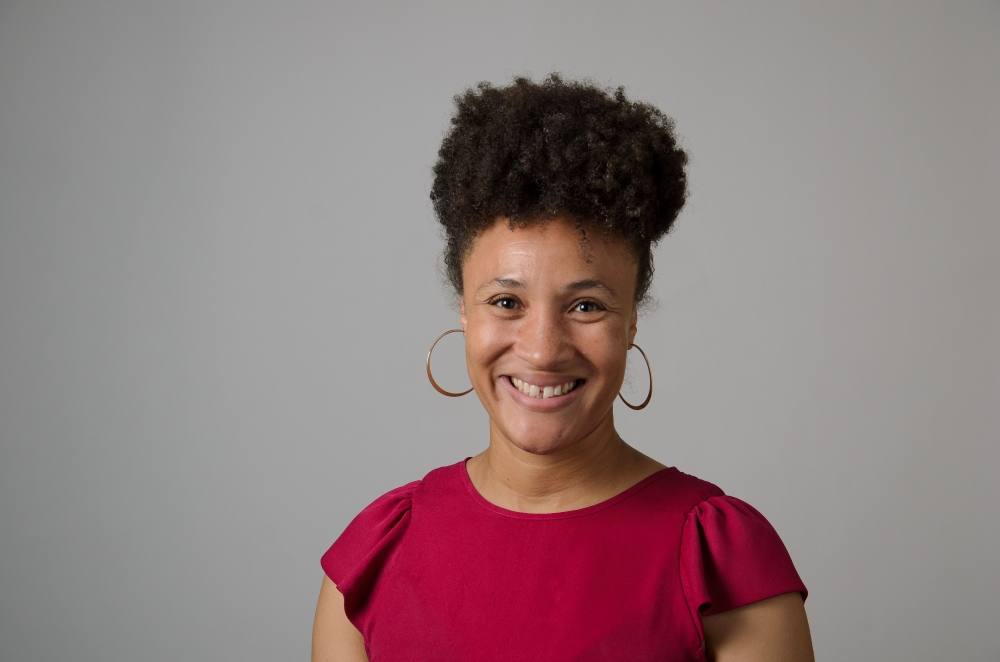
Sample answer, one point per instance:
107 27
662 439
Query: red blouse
433 571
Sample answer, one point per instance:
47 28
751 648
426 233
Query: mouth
544 392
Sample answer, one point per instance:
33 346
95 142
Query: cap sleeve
367 547
732 556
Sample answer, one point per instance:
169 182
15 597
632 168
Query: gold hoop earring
431 377
650 395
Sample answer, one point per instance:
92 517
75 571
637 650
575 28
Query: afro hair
532 151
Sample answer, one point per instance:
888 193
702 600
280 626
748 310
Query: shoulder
718 515
693 489
381 526
730 554
704 501
671 491
378 527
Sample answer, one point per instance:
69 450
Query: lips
543 392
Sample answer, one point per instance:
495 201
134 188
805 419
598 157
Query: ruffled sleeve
368 547
732 556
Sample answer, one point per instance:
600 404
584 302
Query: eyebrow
580 285
507 283
589 284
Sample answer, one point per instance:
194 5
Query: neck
592 469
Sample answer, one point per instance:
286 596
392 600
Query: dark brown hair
531 151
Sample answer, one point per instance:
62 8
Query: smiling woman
559 541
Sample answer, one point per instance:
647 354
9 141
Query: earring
650 395
431 377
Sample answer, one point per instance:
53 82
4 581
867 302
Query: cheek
605 349
484 342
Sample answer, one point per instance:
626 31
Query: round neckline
463 470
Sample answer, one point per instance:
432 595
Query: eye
506 303
586 307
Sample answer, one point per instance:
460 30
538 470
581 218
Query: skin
549 304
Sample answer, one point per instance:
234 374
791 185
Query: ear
632 328
461 308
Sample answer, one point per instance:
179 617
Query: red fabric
432 571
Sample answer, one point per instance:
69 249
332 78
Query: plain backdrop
219 277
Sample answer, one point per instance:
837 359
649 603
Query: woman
559 541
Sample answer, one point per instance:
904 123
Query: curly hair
531 151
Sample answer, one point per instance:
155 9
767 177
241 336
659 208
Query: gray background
219 279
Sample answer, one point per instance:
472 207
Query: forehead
546 249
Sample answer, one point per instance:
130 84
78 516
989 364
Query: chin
540 442
540 448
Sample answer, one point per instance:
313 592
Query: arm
334 639
772 630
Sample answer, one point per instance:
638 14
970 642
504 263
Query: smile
542 392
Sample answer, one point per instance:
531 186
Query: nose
543 340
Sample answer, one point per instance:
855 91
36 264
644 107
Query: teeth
542 392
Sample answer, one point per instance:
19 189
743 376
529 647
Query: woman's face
548 316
